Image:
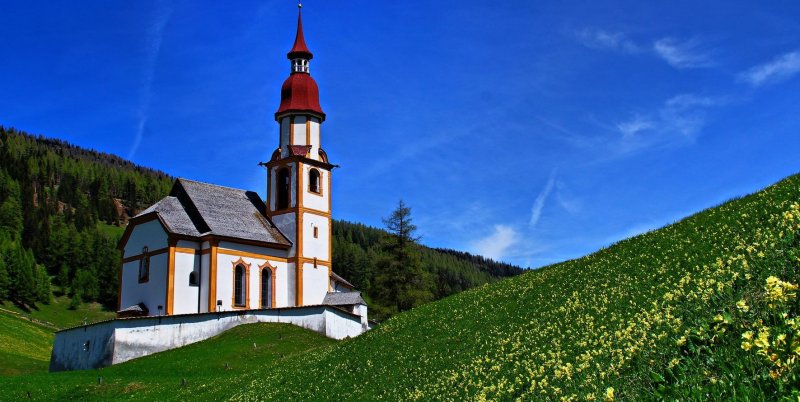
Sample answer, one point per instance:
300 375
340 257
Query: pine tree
402 283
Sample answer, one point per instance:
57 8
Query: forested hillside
59 209
62 209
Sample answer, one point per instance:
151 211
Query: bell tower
299 179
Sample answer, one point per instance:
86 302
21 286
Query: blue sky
531 132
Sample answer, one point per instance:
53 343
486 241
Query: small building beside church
207 248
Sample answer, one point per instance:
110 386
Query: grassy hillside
25 346
58 315
26 337
702 309
245 349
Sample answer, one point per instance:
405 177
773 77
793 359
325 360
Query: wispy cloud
538 203
155 36
683 54
570 204
778 69
679 119
634 126
497 244
601 39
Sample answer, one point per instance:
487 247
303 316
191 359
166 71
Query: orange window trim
273 271
246 267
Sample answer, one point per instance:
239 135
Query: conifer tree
402 283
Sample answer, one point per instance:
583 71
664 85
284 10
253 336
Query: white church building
207 257
207 248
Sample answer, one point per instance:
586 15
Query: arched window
144 266
239 286
193 280
266 288
314 181
284 184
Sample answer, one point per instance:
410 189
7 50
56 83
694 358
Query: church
207 248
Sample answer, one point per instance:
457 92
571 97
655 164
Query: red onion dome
300 93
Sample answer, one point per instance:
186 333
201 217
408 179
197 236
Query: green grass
60 316
159 376
705 309
112 231
653 317
24 346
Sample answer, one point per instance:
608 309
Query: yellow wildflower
609 394
742 306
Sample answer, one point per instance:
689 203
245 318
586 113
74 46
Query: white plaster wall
319 247
186 298
299 131
315 140
70 351
314 200
153 292
271 177
150 234
286 286
287 225
247 248
204 269
315 284
284 136
117 341
188 244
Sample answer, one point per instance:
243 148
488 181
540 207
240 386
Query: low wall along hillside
111 342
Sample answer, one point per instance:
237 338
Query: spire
299 50
299 94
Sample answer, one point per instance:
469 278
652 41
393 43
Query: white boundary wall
116 341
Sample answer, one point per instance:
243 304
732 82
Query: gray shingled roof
194 209
338 278
174 215
136 308
343 298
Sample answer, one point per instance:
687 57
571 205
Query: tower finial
299 5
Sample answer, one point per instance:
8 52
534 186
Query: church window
284 184
266 289
314 181
239 286
144 266
193 280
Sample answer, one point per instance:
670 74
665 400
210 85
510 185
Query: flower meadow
706 308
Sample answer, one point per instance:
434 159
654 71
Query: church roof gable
174 215
197 209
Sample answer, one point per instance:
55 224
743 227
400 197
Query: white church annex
206 257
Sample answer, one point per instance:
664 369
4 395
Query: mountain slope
702 309
26 346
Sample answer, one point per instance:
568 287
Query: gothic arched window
239 286
314 181
193 280
144 266
284 184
